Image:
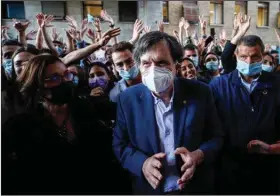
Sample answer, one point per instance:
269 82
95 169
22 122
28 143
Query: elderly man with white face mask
167 132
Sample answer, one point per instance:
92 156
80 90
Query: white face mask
157 79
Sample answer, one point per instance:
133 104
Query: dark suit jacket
196 126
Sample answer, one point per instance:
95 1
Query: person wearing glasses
59 147
124 64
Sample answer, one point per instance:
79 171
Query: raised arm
181 26
107 18
137 30
21 28
43 22
84 52
4 35
203 27
229 64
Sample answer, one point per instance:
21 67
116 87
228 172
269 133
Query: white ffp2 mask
157 79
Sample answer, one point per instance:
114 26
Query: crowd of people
156 114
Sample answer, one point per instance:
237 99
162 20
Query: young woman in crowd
59 147
80 79
268 62
187 70
20 59
100 83
211 63
12 100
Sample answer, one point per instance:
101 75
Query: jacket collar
264 80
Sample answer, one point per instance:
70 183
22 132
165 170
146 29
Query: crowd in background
62 106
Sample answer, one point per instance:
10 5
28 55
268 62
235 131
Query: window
262 14
191 12
13 9
165 12
240 7
128 11
55 8
216 12
93 8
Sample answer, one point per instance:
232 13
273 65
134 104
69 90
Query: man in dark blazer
167 132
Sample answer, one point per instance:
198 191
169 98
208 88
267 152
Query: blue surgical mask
267 68
130 74
212 65
8 65
195 60
249 69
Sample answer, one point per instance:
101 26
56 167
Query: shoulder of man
133 92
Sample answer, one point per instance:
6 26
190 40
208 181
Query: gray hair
152 38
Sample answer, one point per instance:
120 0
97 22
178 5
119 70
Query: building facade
218 14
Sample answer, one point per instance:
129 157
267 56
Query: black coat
36 160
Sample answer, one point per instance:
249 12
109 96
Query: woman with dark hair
59 147
268 62
20 59
211 63
187 70
100 83
12 100
80 79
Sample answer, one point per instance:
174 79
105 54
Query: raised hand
84 27
97 24
147 29
105 38
160 27
223 37
72 22
202 22
181 22
244 24
91 35
31 35
4 30
75 34
187 25
151 169
106 17
44 20
20 26
277 35
137 29
236 21
55 34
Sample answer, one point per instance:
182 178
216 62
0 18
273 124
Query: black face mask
61 94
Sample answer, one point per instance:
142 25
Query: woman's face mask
212 65
61 94
98 81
